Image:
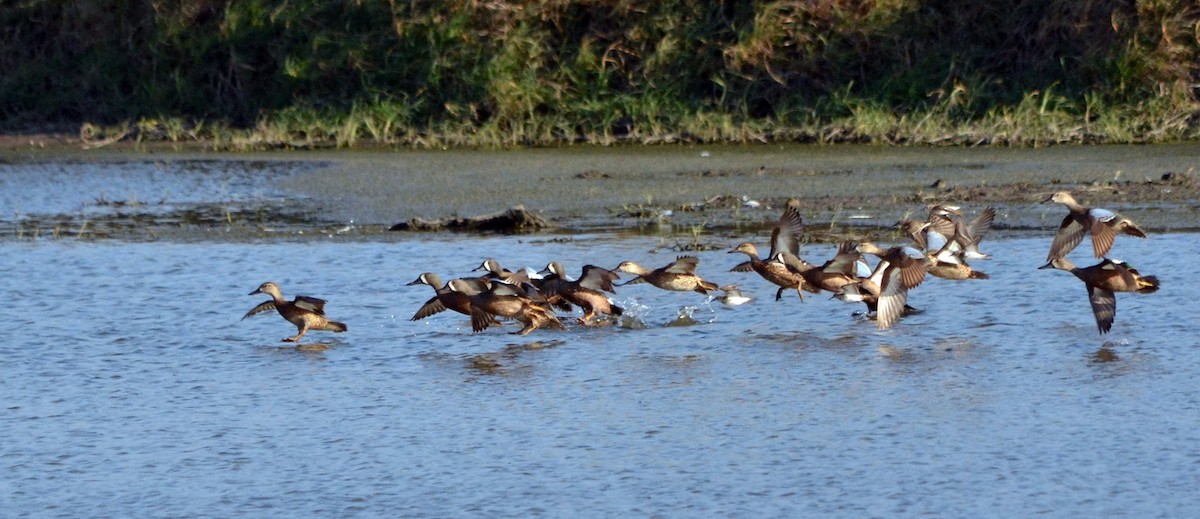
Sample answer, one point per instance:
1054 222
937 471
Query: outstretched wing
265 306
1104 306
912 267
1069 234
432 306
744 266
786 236
480 319
598 278
980 226
683 265
311 304
892 297
1103 233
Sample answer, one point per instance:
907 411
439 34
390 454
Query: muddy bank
696 189
683 192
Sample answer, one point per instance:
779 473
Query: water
134 389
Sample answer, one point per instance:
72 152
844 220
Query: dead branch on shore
516 219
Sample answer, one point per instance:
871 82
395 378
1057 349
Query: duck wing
911 266
480 319
745 266
598 278
433 306
786 235
683 265
265 306
979 227
892 295
1069 234
943 226
311 304
1103 234
1104 306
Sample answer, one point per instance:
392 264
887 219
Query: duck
916 231
587 292
444 298
908 263
497 298
679 275
307 313
952 265
847 266
884 292
1102 280
1104 225
959 234
946 225
732 296
785 237
493 270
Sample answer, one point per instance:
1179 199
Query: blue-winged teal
679 275
785 237
1104 278
493 270
506 300
845 267
952 265
307 313
899 270
907 263
947 227
1104 225
587 292
444 298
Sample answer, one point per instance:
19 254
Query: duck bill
1046 266
256 291
414 282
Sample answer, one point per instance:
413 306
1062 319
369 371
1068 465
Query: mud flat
844 190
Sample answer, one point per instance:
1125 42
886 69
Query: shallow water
133 388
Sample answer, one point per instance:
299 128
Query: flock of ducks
941 245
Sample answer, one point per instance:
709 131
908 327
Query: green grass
270 74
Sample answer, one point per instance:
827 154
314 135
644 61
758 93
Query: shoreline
688 191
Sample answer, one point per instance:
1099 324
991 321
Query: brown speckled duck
1104 225
496 298
587 292
785 237
1104 278
679 275
307 313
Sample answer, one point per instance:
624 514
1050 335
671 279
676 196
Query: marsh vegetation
268 74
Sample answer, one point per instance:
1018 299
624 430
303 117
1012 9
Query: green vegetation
303 73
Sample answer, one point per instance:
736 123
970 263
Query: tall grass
267 73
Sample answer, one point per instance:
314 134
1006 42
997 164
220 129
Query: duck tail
1147 284
334 326
975 274
706 286
616 310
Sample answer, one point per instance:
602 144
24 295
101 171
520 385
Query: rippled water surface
133 388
